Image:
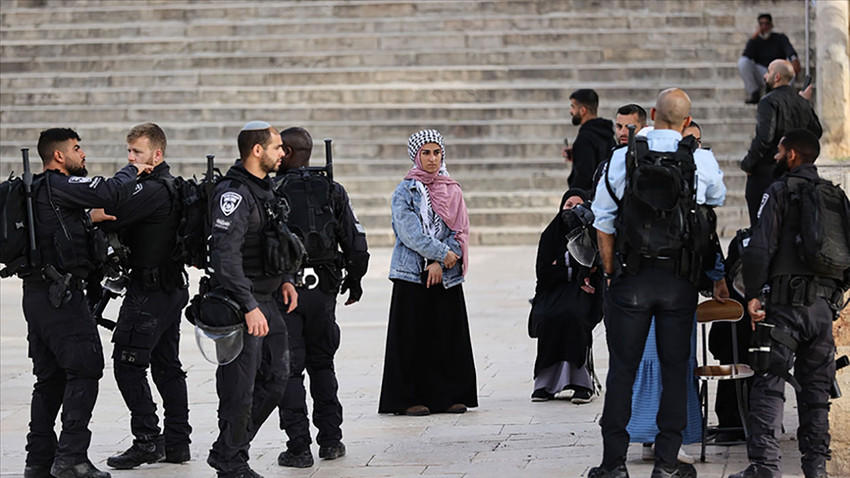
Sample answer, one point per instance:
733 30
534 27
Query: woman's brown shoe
417 411
457 408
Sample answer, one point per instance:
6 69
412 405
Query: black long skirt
428 358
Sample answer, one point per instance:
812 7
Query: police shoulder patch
764 199
78 180
229 202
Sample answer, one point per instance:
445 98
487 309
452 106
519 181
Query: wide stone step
482 129
38 82
654 46
210 93
213 103
351 58
230 19
277 18
118 11
391 148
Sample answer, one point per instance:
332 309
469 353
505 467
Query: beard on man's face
576 120
780 168
768 85
80 171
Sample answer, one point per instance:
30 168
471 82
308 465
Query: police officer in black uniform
148 329
641 286
803 319
63 341
313 331
251 386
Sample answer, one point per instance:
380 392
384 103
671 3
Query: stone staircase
493 76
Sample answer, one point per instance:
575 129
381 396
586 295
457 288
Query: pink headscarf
445 193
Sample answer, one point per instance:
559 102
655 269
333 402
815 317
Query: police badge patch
229 202
139 188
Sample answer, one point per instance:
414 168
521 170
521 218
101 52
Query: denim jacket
412 246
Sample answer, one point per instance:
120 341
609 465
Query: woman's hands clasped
435 274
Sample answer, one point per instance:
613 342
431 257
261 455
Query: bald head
672 110
779 73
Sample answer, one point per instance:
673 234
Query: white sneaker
684 457
648 454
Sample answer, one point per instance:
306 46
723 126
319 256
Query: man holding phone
594 140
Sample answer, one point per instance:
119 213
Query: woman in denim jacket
428 366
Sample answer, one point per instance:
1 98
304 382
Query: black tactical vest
152 241
65 236
267 251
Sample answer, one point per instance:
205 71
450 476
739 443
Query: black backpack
312 218
193 230
657 214
823 241
14 233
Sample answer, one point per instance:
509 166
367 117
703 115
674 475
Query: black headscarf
573 192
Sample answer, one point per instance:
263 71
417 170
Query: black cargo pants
249 389
67 359
148 335
814 369
314 339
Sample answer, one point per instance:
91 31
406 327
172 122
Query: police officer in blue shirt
641 287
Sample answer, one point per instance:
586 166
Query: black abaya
428 357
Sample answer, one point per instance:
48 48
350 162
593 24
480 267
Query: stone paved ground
507 436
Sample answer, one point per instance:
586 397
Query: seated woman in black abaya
565 338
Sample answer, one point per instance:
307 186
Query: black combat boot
754 471
37 471
599 472
177 455
245 472
676 470
80 470
296 460
147 451
332 452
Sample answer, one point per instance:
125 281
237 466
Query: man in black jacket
147 334
593 143
64 345
781 110
762 48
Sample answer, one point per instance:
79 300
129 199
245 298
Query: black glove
352 285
